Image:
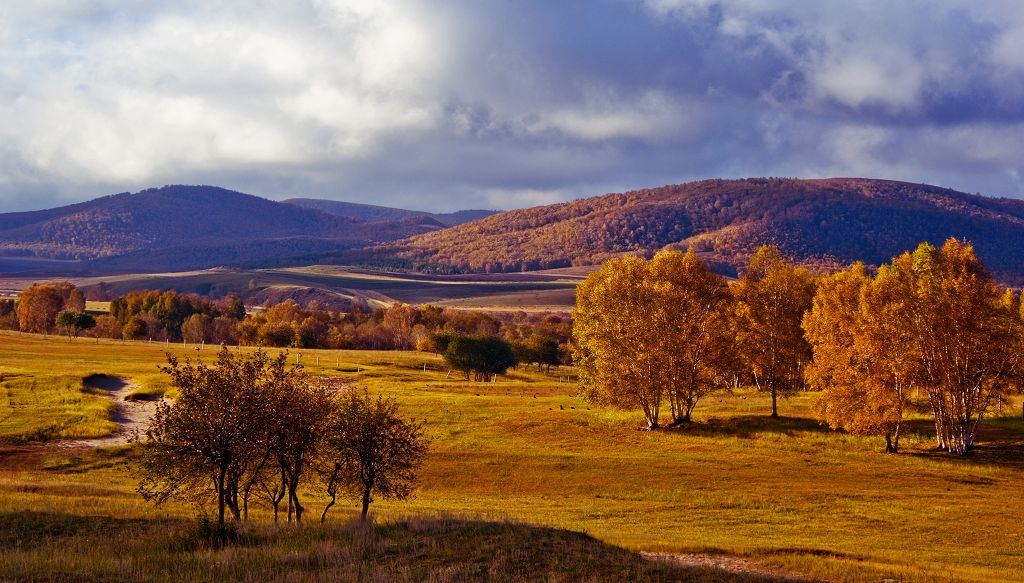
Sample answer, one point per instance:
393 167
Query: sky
449 104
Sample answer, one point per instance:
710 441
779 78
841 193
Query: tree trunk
298 508
775 403
323 515
220 495
366 504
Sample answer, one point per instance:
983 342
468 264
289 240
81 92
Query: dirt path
130 416
736 565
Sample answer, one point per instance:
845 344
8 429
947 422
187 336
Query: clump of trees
251 427
39 304
650 330
477 356
540 339
933 320
171 316
73 323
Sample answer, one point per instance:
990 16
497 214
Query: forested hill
370 212
187 226
822 223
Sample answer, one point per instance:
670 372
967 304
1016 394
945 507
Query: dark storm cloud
500 103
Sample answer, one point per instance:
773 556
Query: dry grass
56 547
786 493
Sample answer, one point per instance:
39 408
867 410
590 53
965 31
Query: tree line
170 316
250 429
932 323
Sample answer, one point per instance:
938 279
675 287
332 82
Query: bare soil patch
729 564
132 415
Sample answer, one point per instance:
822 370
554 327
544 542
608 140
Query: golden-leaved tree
647 330
615 338
933 320
695 332
771 299
968 332
864 362
39 304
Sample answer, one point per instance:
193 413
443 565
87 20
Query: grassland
785 493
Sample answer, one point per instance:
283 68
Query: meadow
516 468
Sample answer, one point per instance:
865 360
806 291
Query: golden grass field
509 462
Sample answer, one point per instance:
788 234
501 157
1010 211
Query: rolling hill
184 227
821 223
369 212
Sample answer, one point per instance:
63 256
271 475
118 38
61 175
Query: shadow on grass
414 549
749 426
29 529
1000 442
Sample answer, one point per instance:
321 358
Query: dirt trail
736 565
130 416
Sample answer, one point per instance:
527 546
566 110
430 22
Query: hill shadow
748 426
27 529
412 549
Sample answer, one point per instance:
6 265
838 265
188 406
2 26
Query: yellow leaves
933 319
639 324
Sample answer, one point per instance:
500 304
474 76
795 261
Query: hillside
822 223
370 212
178 227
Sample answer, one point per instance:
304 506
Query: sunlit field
510 461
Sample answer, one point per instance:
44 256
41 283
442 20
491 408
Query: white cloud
603 116
207 86
891 80
515 103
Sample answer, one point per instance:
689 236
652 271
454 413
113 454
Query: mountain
184 227
821 223
370 212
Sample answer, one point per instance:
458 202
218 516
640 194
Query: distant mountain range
822 223
186 227
369 212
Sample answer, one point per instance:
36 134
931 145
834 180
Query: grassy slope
787 492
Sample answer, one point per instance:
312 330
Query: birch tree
616 338
771 299
694 338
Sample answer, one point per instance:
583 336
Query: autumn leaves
931 323
932 329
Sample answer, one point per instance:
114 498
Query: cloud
502 103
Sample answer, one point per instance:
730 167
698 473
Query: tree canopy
647 330
371 450
771 298
933 320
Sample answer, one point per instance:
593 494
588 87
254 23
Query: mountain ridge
822 223
183 226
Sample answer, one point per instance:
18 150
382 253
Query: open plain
524 458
